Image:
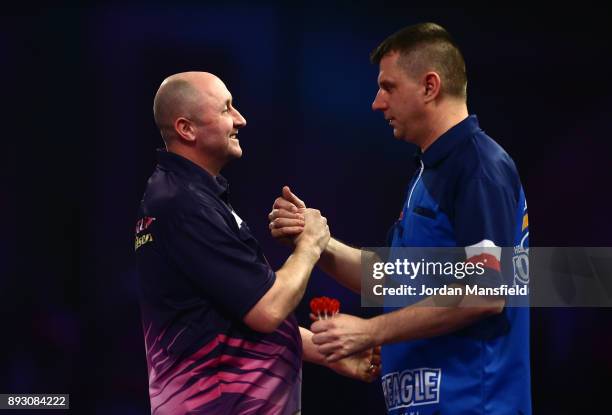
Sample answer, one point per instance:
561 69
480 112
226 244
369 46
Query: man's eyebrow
386 84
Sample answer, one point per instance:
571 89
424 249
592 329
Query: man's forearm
311 354
427 320
293 277
343 263
286 292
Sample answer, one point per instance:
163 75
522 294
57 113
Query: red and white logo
144 223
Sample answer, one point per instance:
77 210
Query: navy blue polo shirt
465 193
200 271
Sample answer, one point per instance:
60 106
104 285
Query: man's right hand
316 232
287 217
292 222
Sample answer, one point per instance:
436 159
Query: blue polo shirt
200 271
466 192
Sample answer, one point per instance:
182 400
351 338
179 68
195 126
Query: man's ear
433 86
184 129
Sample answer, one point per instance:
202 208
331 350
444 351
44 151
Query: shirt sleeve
218 260
484 215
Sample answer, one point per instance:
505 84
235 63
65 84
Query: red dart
335 306
315 307
324 307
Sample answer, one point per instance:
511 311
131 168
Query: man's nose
378 104
239 120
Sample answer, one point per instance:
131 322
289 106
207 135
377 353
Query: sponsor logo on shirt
141 240
412 387
520 259
144 223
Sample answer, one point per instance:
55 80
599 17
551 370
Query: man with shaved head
220 333
466 192
194 114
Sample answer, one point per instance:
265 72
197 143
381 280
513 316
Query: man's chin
235 151
400 135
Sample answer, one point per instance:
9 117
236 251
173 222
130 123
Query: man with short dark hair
220 333
466 192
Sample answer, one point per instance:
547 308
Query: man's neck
195 158
443 120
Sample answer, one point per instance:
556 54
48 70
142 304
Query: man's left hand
342 336
364 366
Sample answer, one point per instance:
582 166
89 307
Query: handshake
292 223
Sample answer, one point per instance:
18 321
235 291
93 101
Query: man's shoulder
483 158
171 197
166 194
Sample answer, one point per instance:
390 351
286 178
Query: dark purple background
80 143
